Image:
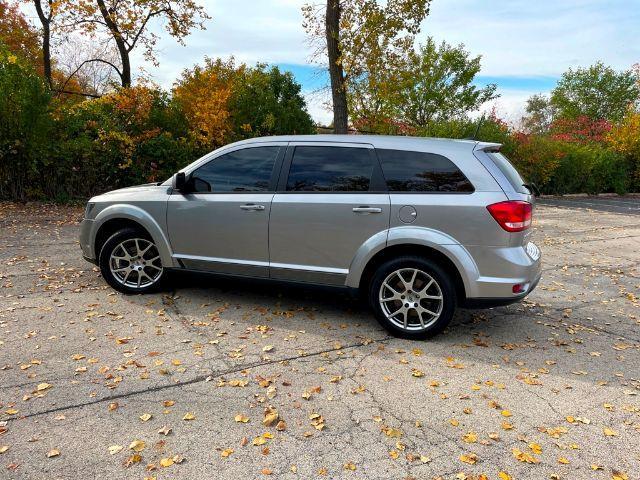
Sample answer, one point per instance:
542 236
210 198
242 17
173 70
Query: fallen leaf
145 417
524 456
470 458
189 416
113 449
226 452
240 418
137 445
54 452
166 462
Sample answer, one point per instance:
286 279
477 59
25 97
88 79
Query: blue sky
525 45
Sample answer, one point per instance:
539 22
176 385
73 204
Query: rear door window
330 169
509 171
421 172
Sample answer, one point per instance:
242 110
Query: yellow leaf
394 454
54 452
226 452
11 411
609 432
505 413
563 460
270 416
166 462
535 448
43 386
137 445
240 418
454 422
189 416
145 417
4 448
470 458
350 466
617 475
471 437
504 475
524 456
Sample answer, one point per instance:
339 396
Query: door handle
252 207
367 210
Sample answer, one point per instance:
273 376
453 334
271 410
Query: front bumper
86 244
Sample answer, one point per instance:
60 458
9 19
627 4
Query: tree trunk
336 73
125 75
45 20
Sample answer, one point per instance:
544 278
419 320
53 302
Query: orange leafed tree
203 93
17 33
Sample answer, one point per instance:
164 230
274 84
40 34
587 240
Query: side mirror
180 182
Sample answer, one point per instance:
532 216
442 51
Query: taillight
513 215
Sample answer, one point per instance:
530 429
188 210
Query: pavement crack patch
198 379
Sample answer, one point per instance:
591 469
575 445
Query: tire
125 269
427 311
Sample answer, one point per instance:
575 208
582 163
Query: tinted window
509 171
330 169
421 172
247 170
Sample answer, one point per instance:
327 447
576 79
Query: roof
434 145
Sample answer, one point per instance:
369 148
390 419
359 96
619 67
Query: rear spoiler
487 147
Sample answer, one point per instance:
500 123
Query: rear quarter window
421 172
509 171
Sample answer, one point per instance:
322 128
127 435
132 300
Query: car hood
137 192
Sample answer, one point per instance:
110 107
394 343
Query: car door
222 225
331 198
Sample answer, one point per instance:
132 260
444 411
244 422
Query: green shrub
25 126
589 169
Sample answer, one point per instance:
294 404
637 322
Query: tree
354 34
437 84
203 94
127 23
540 115
45 15
266 101
18 35
433 83
224 101
597 92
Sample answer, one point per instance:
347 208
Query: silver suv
418 225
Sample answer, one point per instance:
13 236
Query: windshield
509 171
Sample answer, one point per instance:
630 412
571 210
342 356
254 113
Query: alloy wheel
136 263
411 299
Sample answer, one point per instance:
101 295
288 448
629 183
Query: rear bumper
498 302
500 269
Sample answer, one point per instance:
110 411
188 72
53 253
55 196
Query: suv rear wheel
412 297
130 262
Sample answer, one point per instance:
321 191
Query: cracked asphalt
548 388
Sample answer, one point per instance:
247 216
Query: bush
590 169
25 125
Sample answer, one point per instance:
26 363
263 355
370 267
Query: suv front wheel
412 297
130 262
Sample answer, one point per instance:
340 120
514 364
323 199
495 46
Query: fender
412 235
138 215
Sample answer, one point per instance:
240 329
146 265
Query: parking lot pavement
229 379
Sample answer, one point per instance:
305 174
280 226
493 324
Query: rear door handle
367 210
252 207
